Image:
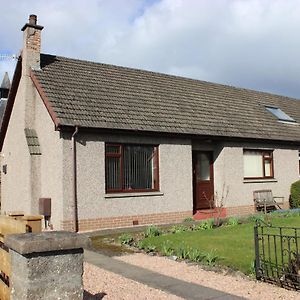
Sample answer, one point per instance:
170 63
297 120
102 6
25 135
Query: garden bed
230 245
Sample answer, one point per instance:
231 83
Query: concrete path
155 280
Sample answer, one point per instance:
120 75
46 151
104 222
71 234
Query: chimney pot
32 19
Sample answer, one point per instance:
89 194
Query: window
131 168
258 164
279 114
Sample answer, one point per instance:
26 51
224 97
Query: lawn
234 244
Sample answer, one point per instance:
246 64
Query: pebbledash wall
174 201
15 185
52 175
30 177
96 209
229 175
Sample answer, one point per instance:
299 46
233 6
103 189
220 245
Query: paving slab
156 280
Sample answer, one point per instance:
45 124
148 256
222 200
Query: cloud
252 44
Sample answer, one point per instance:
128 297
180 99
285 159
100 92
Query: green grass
235 244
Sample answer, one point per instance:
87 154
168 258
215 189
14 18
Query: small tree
295 195
220 202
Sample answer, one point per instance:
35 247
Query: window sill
136 194
260 180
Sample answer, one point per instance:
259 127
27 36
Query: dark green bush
295 195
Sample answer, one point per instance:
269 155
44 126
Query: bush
255 218
295 195
196 255
141 244
152 231
179 229
232 221
126 239
167 249
150 248
207 224
211 258
189 219
183 251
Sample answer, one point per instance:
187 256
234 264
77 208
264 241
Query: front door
203 180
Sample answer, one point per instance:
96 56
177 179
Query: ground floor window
258 164
130 168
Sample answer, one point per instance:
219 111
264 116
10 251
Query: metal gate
277 257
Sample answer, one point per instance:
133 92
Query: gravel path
101 284
235 285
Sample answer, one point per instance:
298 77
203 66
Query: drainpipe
75 179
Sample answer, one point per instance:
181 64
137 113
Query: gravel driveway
101 284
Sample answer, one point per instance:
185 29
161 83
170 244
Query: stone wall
46 265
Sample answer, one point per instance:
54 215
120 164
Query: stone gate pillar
47 265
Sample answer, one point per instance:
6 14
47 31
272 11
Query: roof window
279 114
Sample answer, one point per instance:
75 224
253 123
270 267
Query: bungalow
108 146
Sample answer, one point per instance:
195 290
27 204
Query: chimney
31 45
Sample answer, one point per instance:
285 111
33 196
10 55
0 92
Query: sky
252 44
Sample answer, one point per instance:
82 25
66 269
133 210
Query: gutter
75 202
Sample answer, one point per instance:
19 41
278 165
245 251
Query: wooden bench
264 199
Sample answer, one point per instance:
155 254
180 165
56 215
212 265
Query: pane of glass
203 172
277 112
253 166
268 168
113 173
112 149
138 167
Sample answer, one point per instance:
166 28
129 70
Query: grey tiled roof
3 102
32 141
97 95
5 82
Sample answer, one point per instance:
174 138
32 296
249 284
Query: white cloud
253 43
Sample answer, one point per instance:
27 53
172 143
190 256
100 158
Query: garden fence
277 257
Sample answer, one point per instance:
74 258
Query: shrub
189 219
183 251
141 244
232 221
167 249
150 248
152 231
126 239
179 229
196 255
295 195
256 217
252 271
204 225
211 258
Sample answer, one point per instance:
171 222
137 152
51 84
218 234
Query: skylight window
279 114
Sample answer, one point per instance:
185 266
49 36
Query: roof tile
97 95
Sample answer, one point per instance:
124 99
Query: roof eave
70 128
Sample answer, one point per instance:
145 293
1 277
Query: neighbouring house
4 90
109 146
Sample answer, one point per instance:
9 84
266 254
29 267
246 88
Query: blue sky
252 44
